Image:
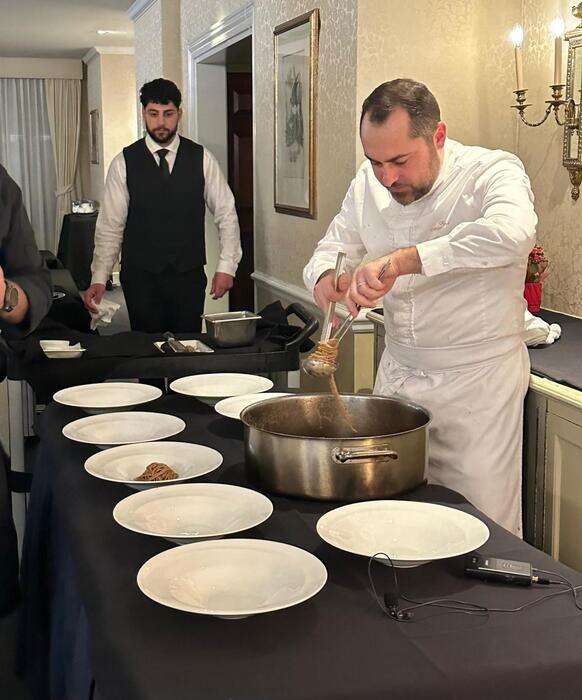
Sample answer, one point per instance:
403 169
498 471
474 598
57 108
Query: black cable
391 606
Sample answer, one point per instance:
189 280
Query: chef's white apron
475 395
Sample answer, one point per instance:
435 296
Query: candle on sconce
557 28
516 37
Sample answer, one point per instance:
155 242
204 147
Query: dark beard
169 138
415 193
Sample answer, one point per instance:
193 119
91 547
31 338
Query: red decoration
533 295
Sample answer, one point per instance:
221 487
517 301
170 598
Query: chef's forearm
405 261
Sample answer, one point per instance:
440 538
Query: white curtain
26 152
63 99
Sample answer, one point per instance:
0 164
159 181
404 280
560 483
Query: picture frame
94 136
296 49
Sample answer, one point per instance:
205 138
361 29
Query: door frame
222 34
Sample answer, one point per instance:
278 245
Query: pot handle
347 456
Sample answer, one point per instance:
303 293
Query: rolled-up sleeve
503 235
342 235
21 260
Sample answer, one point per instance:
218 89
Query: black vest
165 219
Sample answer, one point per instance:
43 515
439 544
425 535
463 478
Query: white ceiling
61 28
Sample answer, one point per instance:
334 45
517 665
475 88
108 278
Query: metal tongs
315 364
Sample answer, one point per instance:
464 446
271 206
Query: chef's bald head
415 98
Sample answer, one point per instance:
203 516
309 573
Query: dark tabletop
336 645
562 361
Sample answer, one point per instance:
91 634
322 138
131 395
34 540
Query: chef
441 232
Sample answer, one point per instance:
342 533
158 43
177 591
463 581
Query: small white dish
61 349
235 405
107 397
232 578
211 388
187 513
125 463
409 532
198 345
109 429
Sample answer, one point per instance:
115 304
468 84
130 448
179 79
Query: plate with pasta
149 464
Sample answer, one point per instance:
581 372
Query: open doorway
224 124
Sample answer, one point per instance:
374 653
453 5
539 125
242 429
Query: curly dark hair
414 97
160 91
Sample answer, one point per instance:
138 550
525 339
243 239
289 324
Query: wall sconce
569 116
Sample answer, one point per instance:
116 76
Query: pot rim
410 404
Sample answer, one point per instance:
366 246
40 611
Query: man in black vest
155 199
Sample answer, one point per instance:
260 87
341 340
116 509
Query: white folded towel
106 310
538 332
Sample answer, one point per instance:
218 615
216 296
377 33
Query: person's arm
503 235
220 202
342 235
22 266
109 231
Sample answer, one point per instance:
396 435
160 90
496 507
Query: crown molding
107 50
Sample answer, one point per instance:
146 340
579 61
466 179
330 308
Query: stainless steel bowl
301 446
232 329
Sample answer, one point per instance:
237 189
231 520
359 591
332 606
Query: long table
85 621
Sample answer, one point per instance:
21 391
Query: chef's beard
414 192
166 139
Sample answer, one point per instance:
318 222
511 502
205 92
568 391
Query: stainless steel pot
302 446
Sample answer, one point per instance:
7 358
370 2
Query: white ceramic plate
409 532
108 429
189 512
210 388
61 349
107 396
127 462
232 578
235 405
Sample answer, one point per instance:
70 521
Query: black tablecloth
562 361
337 645
76 244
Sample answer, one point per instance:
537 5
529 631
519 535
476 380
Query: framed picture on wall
94 136
296 45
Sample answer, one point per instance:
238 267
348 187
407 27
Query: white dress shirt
473 232
113 213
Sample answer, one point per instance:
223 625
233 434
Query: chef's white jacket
463 314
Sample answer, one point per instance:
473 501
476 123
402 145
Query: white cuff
436 256
99 277
228 267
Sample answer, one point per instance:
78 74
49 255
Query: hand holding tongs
347 322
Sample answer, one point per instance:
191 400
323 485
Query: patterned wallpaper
148 50
458 47
541 150
275 232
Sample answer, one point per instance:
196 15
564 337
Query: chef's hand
366 288
324 291
93 296
221 283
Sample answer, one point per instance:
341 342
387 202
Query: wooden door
239 88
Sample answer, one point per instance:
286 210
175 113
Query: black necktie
164 167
